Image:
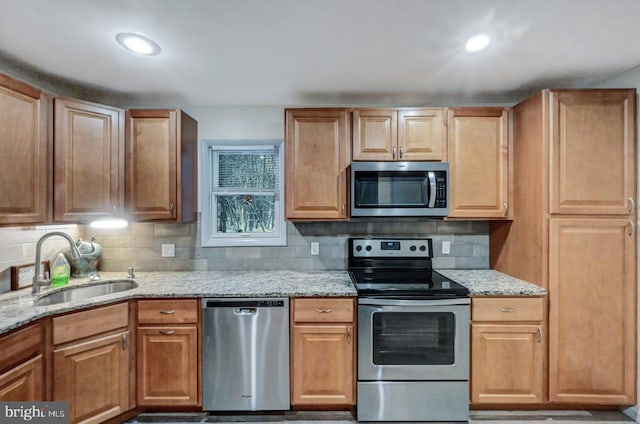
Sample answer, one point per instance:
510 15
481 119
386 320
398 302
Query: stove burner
400 273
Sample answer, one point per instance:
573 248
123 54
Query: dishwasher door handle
245 311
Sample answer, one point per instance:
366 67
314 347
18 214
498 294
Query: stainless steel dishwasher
245 354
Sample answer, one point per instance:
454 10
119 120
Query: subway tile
479 250
109 253
209 252
241 252
418 228
10 252
461 249
277 252
185 252
28 250
117 241
118 265
224 265
329 263
185 241
159 264
171 230
444 262
479 262
178 264
147 241
339 251
297 264
141 228
140 252
454 227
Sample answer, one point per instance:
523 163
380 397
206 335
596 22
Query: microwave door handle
432 188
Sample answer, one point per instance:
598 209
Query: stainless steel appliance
413 334
399 189
245 354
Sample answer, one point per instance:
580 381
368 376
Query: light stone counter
488 282
17 309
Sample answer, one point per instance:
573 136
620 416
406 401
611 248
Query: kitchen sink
69 294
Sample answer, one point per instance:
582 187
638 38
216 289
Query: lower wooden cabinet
507 363
323 352
93 376
167 366
322 365
23 382
168 353
508 350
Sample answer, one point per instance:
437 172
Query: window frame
208 218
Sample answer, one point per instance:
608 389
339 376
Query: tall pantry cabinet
574 233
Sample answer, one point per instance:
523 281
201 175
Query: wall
140 245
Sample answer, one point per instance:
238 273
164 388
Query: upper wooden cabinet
479 162
317 158
88 160
24 159
161 177
592 151
405 134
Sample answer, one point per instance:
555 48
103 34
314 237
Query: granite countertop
17 309
489 282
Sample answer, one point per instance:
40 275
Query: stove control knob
423 248
358 248
368 248
412 248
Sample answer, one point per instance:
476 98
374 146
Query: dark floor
480 417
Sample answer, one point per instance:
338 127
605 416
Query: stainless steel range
413 334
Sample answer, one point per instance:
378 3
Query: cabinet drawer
323 310
182 311
89 323
20 345
507 309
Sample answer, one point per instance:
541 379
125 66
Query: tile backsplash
140 245
18 247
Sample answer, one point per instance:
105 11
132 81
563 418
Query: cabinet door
314 381
592 169
421 134
375 134
317 157
89 161
23 382
506 363
151 167
23 162
167 370
592 326
478 156
93 376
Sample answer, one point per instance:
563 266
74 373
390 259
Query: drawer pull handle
167 312
167 332
324 311
508 309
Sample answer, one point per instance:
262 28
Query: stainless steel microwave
399 188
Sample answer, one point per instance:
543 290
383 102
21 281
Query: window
241 193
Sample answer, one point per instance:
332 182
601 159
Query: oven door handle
421 302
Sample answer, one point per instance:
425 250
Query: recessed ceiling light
477 43
138 44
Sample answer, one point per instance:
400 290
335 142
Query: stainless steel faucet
38 280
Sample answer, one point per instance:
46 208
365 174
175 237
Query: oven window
413 338
391 189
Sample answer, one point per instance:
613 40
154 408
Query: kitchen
140 246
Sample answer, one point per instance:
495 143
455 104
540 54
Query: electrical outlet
446 247
168 250
315 248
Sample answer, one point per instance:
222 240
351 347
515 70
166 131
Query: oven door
406 340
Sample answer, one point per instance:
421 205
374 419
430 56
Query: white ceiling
318 52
